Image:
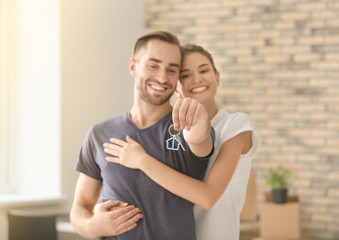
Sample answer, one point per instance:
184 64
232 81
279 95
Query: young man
179 137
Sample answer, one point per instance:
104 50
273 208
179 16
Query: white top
222 222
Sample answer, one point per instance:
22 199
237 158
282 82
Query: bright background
64 66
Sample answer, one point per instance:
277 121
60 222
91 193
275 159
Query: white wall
69 69
33 131
34 102
96 43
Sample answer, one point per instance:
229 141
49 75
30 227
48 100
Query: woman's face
197 78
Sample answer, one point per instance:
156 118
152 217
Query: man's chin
156 100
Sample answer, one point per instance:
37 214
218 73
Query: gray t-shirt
166 216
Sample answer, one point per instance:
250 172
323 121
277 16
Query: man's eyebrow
174 65
154 60
184 70
159 61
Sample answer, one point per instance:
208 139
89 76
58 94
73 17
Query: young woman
220 197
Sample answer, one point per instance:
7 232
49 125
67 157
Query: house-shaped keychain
174 142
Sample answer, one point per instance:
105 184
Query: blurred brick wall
279 62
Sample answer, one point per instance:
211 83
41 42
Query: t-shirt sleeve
86 163
241 122
212 150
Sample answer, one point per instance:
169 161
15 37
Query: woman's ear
217 75
178 91
132 66
178 94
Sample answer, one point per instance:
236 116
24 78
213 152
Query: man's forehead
160 51
156 43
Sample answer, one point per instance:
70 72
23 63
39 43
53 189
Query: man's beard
154 99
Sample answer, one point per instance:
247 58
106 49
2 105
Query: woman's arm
205 194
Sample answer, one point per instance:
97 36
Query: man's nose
162 75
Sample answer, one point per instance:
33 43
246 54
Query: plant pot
279 195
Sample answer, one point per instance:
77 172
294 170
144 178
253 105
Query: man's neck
144 115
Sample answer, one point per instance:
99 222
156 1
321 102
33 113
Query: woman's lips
198 89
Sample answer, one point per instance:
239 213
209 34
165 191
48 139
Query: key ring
174 142
169 130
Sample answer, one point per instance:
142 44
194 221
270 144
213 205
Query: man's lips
158 88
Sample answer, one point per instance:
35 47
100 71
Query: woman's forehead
195 59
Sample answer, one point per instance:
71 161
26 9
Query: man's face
155 68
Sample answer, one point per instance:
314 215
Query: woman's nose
196 77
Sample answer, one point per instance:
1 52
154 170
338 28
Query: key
178 139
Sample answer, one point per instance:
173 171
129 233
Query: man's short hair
159 35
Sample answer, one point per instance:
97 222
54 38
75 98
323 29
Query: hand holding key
191 116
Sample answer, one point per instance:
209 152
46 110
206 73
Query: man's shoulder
110 122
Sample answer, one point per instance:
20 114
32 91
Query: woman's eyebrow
186 70
202 65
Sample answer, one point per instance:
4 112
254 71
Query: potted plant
278 179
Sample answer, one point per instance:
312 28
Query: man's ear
132 66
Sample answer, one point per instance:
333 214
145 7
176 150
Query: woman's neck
211 108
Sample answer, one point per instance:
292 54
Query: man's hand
113 218
92 220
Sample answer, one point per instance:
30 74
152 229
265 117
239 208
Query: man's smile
158 88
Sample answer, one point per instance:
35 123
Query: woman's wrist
144 161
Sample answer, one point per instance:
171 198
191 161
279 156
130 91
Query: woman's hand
128 153
191 116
